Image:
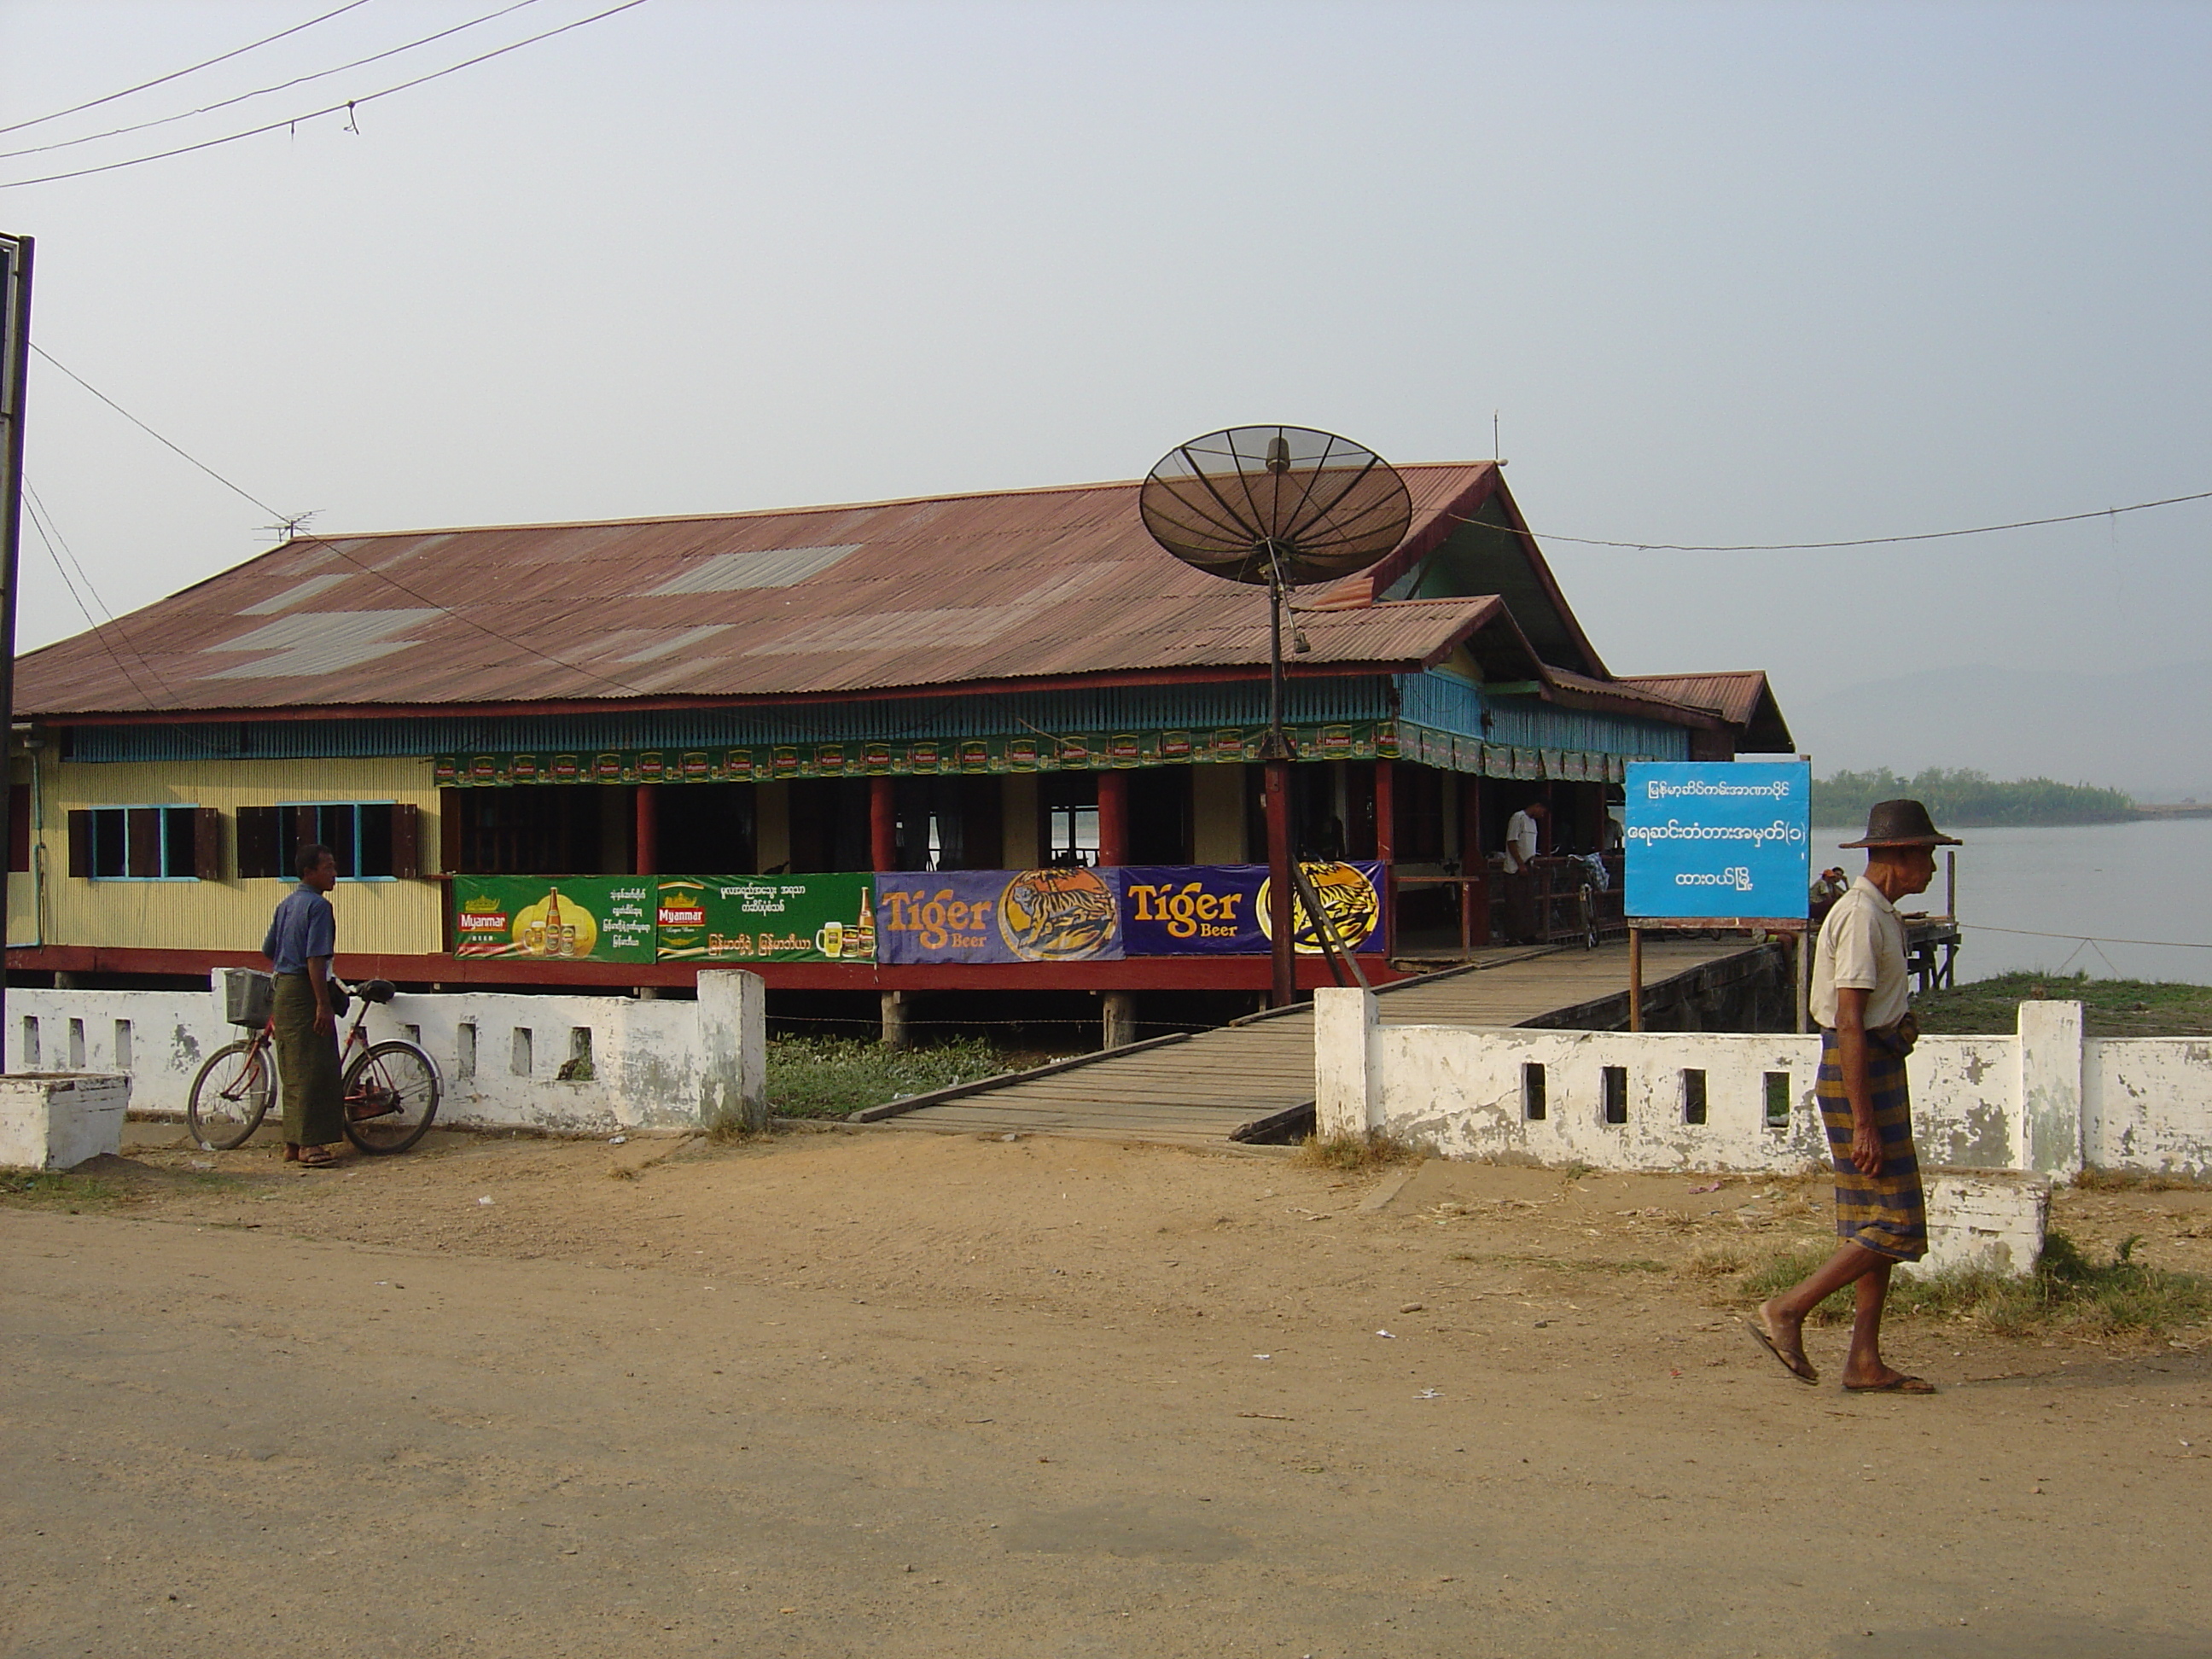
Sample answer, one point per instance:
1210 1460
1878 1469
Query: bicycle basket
246 995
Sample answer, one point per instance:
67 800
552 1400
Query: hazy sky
1730 273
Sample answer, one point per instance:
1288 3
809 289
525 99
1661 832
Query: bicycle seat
378 990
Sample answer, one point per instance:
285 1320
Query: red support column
1386 848
1113 817
1277 800
1471 861
883 823
648 841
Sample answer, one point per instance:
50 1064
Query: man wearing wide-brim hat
1860 1000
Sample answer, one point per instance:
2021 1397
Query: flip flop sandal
1895 1385
315 1158
1801 1369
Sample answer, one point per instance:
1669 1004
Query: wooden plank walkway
1196 1090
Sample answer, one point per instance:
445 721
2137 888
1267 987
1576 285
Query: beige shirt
1862 948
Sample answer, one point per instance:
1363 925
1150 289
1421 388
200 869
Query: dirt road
900 1395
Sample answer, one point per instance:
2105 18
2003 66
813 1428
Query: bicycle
390 1088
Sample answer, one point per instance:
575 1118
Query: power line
263 92
1861 541
37 514
2097 938
349 106
174 75
386 577
236 489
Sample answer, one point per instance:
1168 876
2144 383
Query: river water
2150 881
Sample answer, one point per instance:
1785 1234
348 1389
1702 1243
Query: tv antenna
1279 505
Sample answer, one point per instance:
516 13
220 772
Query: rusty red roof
933 592
1742 698
1038 586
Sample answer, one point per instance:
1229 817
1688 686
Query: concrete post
895 1036
1120 1019
733 1049
2050 1055
1346 1092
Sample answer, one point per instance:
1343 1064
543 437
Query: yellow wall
396 917
1022 847
1217 802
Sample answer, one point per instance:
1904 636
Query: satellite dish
1280 505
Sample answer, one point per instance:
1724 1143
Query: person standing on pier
1867 1028
1524 839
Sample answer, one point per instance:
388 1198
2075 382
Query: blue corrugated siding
1445 703
1195 707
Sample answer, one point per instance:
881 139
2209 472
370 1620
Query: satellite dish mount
1278 507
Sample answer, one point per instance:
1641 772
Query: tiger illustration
1058 915
1347 896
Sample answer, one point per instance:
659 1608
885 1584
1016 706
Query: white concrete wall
2044 1101
659 1064
54 1121
2146 1104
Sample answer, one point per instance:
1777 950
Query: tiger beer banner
1223 909
1076 915
1060 914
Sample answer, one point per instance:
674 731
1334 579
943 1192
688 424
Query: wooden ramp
1200 1090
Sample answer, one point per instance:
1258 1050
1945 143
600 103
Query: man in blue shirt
303 939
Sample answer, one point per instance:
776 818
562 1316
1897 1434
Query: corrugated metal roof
1021 585
1744 699
1734 697
927 595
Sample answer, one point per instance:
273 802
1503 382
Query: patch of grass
2066 1292
2110 1007
831 1076
1357 1154
58 1189
2135 1180
1717 1260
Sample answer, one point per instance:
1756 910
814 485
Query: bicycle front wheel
391 1098
230 1095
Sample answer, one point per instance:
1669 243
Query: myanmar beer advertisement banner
816 918
1077 914
820 918
1718 838
560 918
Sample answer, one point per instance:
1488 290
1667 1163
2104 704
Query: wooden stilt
1635 977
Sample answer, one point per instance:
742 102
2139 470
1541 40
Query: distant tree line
1967 796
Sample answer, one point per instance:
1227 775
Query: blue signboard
1718 838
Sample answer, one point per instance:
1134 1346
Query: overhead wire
386 577
35 511
263 92
349 106
1856 541
177 75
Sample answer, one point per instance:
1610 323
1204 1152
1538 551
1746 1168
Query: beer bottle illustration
860 938
558 942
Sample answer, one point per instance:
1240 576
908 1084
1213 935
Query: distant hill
2148 732
1965 798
